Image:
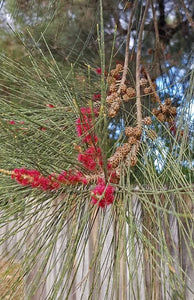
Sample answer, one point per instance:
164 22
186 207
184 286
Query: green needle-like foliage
57 244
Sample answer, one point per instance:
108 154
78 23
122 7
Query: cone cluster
118 91
146 88
128 151
119 155
166 112
147 121
131 158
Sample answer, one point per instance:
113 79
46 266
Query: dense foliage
96 133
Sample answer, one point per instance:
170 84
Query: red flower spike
96 97
50 105
84 125
91 158
12 122
103 195
98 71
173 130
72 177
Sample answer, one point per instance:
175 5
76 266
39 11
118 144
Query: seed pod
132 140
129 131
168 101
125 149
161 117
118 100
131 92
173 111
112 88
153 98
110 99
123 88
118 155
118 172
164 109
147 90
114 72
115 106
143 82
115 95
111 80
154 85
126 98
147 121
112 113
119 67
133 160
155 111
114 161
137 132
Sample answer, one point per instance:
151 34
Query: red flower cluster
12 122
103 194
96 97
91 158
71 177
84 125
35 179
99 71
50 105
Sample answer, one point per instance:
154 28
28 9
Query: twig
156 28
6 172
187 14
138 59
152 86
126 63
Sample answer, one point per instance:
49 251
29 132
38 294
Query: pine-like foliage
96 160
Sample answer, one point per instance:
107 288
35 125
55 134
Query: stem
152 87
156 28
138 59
6 172
126 63
187 13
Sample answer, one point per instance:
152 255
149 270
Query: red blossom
50 105
96 97
103 194
33 178
173 130
91 158
84 124
72 177
98 71
12 122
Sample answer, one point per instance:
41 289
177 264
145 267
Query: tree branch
138 59
187 14
126 63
